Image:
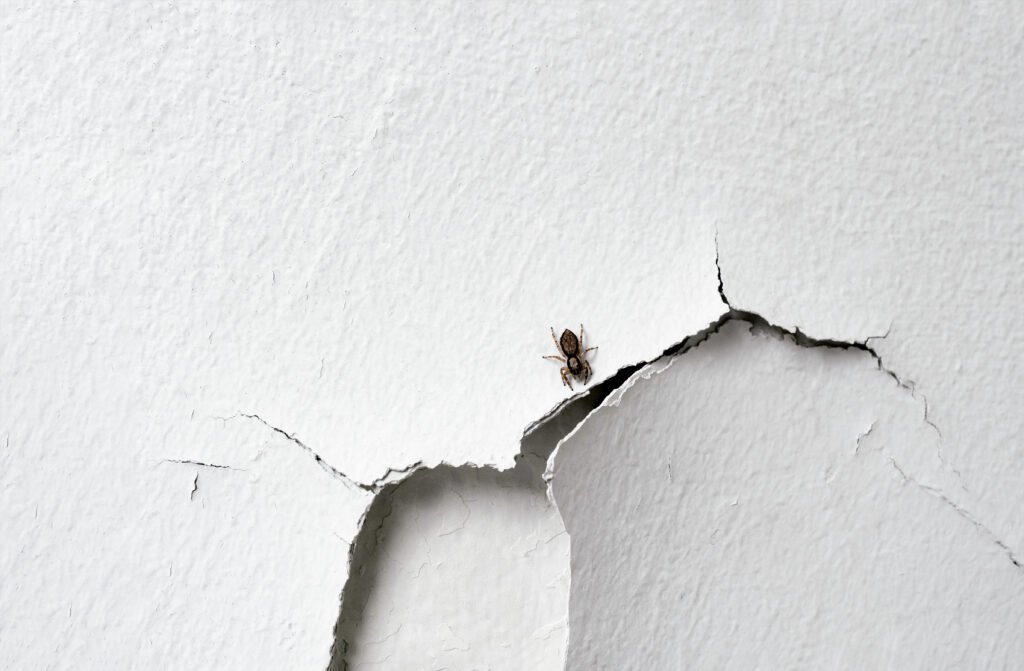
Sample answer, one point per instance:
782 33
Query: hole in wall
388 611
465 566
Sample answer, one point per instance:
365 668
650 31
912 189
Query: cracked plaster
781 537
320 216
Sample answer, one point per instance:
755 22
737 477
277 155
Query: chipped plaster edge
614 388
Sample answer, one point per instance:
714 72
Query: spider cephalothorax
573 355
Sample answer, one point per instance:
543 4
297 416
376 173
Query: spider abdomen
570 345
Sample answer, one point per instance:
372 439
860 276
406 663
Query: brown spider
573 356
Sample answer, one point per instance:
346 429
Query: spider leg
554 358
581 336
565 379
590 349
558 348
586 372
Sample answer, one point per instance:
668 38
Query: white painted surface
359 221
730 512
324 215
145 563
885 196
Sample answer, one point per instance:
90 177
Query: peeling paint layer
733 500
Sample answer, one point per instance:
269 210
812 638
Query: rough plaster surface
156 563
356 222
323 215
756 504
889 144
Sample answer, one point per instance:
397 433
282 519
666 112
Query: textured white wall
757 504
356 223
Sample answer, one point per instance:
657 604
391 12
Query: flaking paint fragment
754 418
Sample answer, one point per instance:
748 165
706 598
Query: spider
573 356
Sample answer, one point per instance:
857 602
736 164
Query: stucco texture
261 261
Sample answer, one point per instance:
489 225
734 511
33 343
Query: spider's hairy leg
581 336
558 348
552 357
590 349
565 378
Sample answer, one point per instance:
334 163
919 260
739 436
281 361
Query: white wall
307 249
759 504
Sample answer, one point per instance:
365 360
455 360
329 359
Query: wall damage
463 532
598 491
741 541
356 223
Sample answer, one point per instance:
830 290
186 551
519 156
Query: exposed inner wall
460 568
464 567
757 502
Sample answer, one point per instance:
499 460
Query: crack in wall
201 464
192 462
373 487
804 340
337 474
370 535
371 524
718 267
962 512
861 533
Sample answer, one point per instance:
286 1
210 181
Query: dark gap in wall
536 446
